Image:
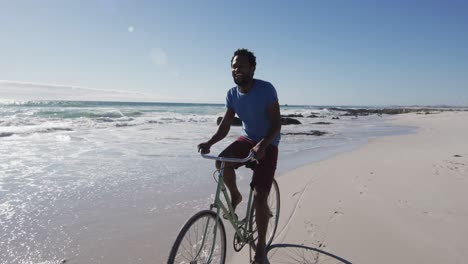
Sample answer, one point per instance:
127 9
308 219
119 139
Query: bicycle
202 238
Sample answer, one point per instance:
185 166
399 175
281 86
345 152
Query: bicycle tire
274 204
187 247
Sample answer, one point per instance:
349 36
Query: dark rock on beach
6 134
293 115
425 113
322 123
310 133
289 121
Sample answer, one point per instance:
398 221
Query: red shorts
264 171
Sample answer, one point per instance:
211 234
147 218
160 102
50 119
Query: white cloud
130 29
27 91
159 57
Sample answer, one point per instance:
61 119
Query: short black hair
248 54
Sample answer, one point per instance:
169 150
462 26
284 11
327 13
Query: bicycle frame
201 240
242 229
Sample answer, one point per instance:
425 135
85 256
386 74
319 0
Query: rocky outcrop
386 111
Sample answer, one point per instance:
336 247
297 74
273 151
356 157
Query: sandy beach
397 199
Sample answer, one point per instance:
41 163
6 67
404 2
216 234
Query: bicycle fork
214 205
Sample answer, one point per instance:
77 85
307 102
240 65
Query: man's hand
204 147
259 150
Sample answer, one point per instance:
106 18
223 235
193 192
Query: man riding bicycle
256 103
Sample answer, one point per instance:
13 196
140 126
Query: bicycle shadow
290 253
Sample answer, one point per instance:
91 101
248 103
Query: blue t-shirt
252 109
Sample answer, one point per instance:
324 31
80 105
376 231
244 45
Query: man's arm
223 130
275 120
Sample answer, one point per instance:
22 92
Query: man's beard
242 82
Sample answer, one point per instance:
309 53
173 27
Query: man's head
243 64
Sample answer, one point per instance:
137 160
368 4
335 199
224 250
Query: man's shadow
299 254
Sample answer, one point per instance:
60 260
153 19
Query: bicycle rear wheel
194 244
274 204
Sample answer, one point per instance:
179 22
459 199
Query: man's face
242 71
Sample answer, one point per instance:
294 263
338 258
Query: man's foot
236 200
259 260
260 255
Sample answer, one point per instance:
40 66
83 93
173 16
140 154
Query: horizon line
161 99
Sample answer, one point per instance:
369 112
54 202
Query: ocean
112 182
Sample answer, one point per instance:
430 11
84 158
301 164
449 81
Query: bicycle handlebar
224 159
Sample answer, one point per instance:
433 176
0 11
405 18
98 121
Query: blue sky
314 52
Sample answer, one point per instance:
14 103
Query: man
256 103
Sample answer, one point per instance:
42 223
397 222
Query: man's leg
262 181
238 149
230 181
262 215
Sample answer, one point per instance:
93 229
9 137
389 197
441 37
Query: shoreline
93 217
343 143
396 199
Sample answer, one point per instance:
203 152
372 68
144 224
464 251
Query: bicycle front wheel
274 205
199 242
